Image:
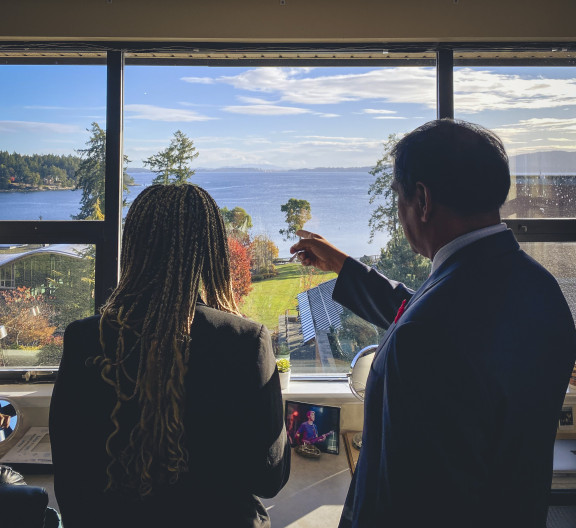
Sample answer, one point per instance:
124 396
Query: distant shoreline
238 170
37 189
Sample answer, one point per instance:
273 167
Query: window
530 103
533 109
270 138
44 142
268 127
51 286
52 234
559 258
7 277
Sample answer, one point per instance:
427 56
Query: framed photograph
312 424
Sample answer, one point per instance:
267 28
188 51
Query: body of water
339 203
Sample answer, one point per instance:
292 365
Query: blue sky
280 117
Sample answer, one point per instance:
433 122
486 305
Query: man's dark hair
463 164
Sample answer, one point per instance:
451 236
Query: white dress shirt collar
458 243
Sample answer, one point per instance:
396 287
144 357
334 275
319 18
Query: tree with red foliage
239 269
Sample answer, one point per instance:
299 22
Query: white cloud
291 152
262 110
535 134
39 127
292 155
479 90
400 85
475 90
541 125
194 105
377 111
61 108
342 145
198 80
339 142
335 138
382 114
253 100
158 113
327 115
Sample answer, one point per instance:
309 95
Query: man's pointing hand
315 250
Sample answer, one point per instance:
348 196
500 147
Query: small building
32 265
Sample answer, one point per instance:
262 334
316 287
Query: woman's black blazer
233 423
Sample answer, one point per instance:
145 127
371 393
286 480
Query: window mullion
445 83
107 251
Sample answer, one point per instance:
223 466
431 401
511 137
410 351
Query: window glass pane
52 137
43 287
533 110
559 258
266 136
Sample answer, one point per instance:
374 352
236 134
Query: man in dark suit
464 394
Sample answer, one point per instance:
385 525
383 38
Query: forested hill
37 170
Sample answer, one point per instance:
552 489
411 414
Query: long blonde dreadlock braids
174 241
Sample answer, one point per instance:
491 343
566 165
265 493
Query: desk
312 498
314 495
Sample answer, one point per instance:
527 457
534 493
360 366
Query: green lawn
272 297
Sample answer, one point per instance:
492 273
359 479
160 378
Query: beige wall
296 20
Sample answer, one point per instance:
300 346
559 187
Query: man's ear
424 201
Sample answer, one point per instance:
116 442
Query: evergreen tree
385 216
397 260
36 170
298 212
90 175
171 165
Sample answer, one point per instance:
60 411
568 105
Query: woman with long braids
152 396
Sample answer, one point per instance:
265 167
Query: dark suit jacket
464 394
234 432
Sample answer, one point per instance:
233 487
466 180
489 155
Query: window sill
335 392
319 391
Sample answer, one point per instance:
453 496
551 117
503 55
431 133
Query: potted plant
283 366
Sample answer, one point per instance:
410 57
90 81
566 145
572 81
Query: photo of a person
308 432
7 419
313 425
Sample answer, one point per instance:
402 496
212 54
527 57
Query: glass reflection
533 110
559 258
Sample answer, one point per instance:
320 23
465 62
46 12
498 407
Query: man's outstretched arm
362 289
